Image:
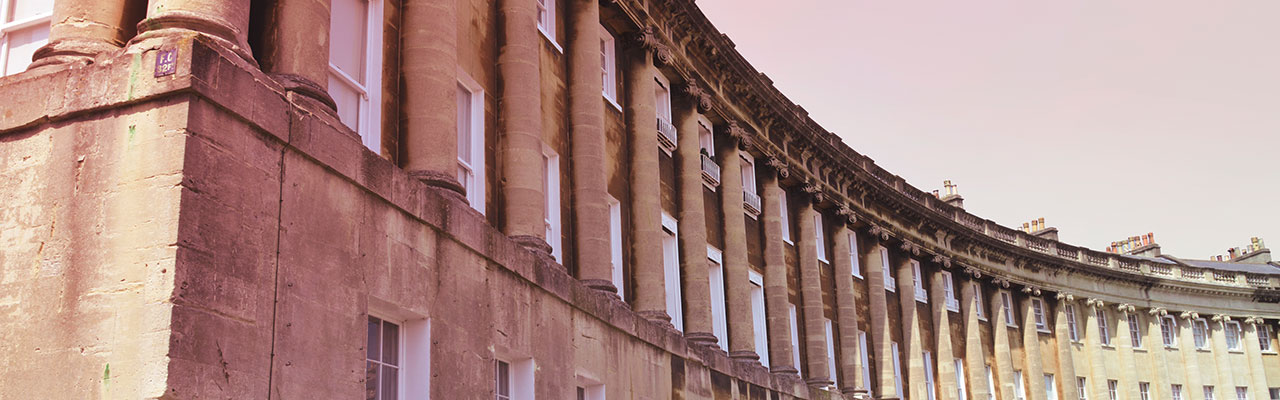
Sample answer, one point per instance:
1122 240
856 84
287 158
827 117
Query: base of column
657 317
304 87
784 370
744 355
69 51
449 184
535 244
701 338
818 382
176 23
856 391
601 285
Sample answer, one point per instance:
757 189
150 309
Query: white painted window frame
401 352
962 389
795 335
1208 392
991 384
715 279
521 376
1082 387
662 106
866 360
707 141
820 240
1113 387
1264 338
917 282
949 292
930 390
1242 393
784 211
1019 386
897 370
551 191
890 283
7 28
370 121
978 303
615 245
759 321
830 332
1135 330
855 262
1104 330
1169 331
475 186
671 270
748 169
1175 390
609 67
546 19
1232 332
1144 390
1050 387
1006 300
1073 325
1037 308
1200 333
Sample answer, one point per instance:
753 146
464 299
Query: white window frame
820 241
961 388
1104 330
1037 309
1264 337
1144 390
369 116
1135 330
615 245
1175 390
1113 387
1050 387
795 335
978 303
520 373
1019 386
1082 387
7 28
1232 332
930 390
1073 325
759 322
897 369
401 353
671 270
1200 333
1169 331
917 282
866 360
748 169
551 213
546 19
707 140
784 210
1006 300
831 352
949 292
890 283
609 67
719 316
991 384
590 389
1208 392
475 185
1242 393
855 264
662 107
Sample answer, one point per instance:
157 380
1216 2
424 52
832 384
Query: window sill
1044 331
1109 346
954 310
547 36
788 241
1170 347
859 277
983 319
1203 350
1139 349
1008 325
612 102
1269 352
1236 351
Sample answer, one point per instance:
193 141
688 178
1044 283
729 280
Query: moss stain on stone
134 66
106 375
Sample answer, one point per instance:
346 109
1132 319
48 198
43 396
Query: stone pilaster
82 29
1224 382
945 356
1253 352
846 312
975 362
1033 374
1127 376
224 21
777 311
1000 334
429 114
693 228
1066 353
881 336
815 340
296 52
586 119
737 287
911 350
646 210
1093 345
1191 388
1160 364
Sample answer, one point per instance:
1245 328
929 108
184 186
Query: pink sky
1108 118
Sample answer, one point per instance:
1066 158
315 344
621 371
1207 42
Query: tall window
1168 331
829 330
1050 387
591 392
865 357
355 67
1135 330
1242 393
1200 332
917 282
671 271
1103 331
1006 300
608 66
513 380
502 380
615 244
706 139
1232 329
854 263
24 27
785 213
715 276
667 134
1072 327
1264 336
949 292
897 370
795 336
1019 389
1037 308
382 360
929 389
1275 393
978 302
758 324
820 241
991 384
1082 388
1112 388
751 197
1208 393
551 189
1144 390
961 392
1175 391
890 284
547 19
471 140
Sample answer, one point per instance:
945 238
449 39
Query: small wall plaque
166 62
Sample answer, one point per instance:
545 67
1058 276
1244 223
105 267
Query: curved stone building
526 199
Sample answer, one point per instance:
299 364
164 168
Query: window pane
22 44
374 335
390 383
347 37
348 100
503 379
464 125
390 343
23 9
371 381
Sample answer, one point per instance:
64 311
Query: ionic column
587 141
693 226
881 336
1128 375
1034 373
974 357
1066 353
1221 356
846 312
429 110
811 299
911 350
81 30
224 21
1193 386
1000 336
520 117
646 211
737 287
777 310
1253 352
1093 346
942 336
1159 355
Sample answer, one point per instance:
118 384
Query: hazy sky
1108 118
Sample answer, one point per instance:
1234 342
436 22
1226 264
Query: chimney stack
951 194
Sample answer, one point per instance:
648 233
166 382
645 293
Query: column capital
778 165
649 41
849 215
942 260
1125 308
877 230
1189 315
973 271
1030 290
910 247
1158 311
1094 302
737 132
813 189
1253 320
1000 281
1065 296
699 95
1221 318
